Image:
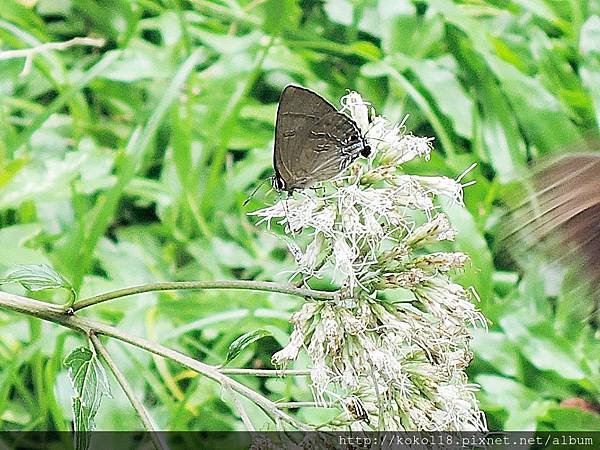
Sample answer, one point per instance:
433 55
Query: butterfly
313 140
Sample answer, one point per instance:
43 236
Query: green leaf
544 349
404 31
540 9
365 49
497 350
574 419
499 130
37 277
393 68
139 61
90 384
471 240
14 249
590 70
339 11
541 116
50 181
449 95
244 341
280 15
522 404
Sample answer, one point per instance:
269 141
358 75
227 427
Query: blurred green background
129 164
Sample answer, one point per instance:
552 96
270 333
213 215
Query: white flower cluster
388 365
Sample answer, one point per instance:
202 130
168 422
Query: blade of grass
425 107
225 127
52 367
182 158
161 363
134 153
63 98
48 64
138 406
37 368
10 373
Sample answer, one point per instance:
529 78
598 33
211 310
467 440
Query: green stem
67 307
53 313
225 284
296 405
128 390
265 372
242 411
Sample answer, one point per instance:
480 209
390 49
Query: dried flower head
388 365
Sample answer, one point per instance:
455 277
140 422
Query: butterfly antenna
254 192
375 139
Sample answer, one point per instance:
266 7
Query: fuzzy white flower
344 256
391 364
443 186
437 229
323 220
358 109
414 146
320 378
290 351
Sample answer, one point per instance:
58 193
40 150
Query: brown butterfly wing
313 141
298 109
330 146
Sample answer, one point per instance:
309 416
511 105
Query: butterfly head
359 140
278 182
366 150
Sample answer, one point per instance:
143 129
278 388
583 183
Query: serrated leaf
244 341
89 382
37 277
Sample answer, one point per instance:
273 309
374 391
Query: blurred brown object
558 213
580 403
